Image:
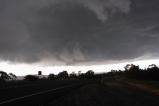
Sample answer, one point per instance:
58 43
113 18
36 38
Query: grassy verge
150 86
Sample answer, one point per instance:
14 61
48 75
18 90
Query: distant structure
39 72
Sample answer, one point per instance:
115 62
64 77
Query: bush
31 78
51 77
73 75
63 75
89 74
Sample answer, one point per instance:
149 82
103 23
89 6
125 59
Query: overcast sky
72 32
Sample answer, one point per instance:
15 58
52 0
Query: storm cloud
59 32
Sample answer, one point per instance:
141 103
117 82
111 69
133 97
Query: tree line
130 71
135 72
60 76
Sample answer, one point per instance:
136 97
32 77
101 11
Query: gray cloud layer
77 31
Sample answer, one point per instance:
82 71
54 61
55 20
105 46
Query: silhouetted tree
131 67
113 71
133 71
89 74
4 76
153 72
63 75
12 76
73 75
31 78
81 76
51 77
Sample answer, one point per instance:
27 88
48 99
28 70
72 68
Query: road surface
108 95
36 94
76 94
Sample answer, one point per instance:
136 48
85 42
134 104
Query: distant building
39 72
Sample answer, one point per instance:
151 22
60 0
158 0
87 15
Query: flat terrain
37 93
77 93
109 94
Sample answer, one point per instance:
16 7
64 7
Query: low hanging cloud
105 8
102 8
76 31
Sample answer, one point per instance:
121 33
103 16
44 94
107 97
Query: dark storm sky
78 31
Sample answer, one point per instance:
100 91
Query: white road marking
43 92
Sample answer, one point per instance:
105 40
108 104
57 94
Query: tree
4 76
12 76
153 67
73 75
81 76
31 78
63 75
89 74
131 67
51 77
153 72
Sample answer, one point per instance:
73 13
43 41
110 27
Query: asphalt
36 94
109 94
77 93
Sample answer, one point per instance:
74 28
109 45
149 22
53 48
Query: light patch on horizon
25 69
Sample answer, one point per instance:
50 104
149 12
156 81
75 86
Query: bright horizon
25 69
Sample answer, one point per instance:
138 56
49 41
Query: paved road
35 95
108 95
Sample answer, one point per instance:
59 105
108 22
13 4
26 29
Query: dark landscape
130 87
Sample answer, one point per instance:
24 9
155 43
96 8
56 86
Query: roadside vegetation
125 87
132 74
